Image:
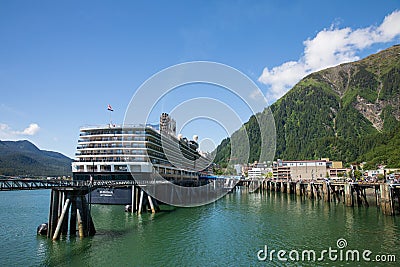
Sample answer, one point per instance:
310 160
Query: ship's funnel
180 136
195 138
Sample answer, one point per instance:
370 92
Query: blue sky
62 62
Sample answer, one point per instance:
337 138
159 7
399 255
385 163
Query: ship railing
113 126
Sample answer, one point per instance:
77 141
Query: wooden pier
70 210
386 196
70 203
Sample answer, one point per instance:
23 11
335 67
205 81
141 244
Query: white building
258 172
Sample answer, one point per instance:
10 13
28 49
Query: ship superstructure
125 152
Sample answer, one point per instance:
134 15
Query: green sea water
240 229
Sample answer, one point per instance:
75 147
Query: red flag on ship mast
109 108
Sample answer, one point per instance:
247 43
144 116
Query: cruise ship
126 152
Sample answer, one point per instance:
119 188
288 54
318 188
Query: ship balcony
113 159
91 145
112 139
111 153
110 134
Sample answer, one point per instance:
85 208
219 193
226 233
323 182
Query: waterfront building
307 169
257 170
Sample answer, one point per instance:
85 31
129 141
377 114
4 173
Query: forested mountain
24 158
350 112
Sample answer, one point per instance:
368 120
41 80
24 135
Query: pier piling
73 218
283 187
326 189
141 202
348 195
151 204
61 220
299 189
387 196
66 201
386 200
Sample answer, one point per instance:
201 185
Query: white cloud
7 133
328 48
32 129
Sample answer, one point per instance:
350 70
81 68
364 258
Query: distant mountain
350 112
24 158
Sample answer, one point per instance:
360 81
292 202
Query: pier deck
387 195
32 184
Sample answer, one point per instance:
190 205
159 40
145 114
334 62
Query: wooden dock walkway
386 195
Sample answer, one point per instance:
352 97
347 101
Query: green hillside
24 158
350 112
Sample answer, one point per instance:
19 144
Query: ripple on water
228 232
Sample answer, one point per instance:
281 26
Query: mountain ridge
343 112
24 158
